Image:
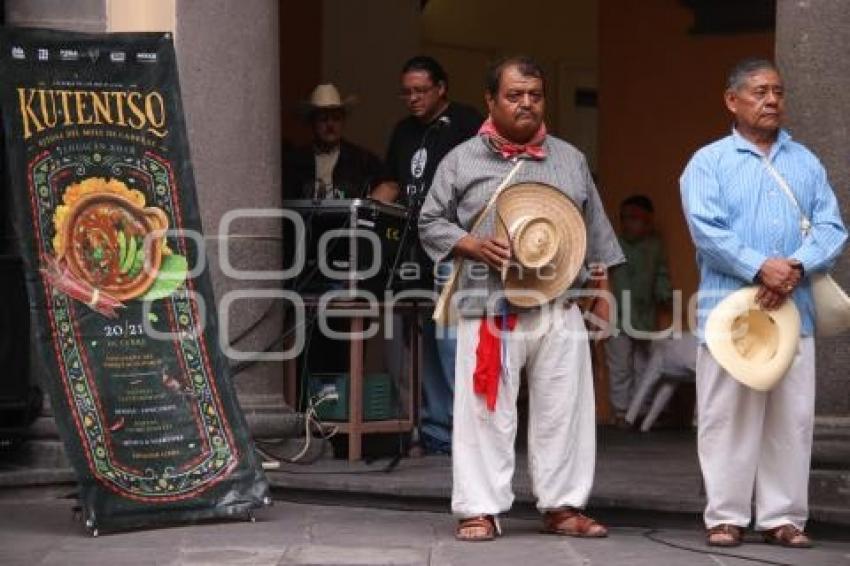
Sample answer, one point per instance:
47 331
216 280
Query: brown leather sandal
725 535
788 536
477 529
572 523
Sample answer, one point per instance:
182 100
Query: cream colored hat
327 97
548 242
832 306
753 345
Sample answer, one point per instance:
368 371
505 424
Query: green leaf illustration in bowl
172 274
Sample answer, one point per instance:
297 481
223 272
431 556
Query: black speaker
20 398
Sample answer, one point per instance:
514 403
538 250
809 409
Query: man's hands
779 277
387 192
769 300
779 274
495 252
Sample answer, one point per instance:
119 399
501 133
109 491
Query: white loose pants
552 345
755 443
627 358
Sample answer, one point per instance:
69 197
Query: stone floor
37 529
655 471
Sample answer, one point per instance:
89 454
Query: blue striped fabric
738 217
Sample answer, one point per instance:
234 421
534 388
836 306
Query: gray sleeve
439 230
602 244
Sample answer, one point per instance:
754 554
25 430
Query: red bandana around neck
533 149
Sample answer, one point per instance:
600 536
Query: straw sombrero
326 97
548 242
753 345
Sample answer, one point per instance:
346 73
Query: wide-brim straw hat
326 97
548 242
754 345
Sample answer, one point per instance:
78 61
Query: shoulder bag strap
442 310
805 223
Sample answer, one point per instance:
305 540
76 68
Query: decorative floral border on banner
152 175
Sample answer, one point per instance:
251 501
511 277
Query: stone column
813 52
229 59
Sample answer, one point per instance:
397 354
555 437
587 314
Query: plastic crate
333 383
380 401
380 397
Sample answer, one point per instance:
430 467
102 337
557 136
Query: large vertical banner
105 208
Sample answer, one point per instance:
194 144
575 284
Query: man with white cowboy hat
756 374
541 222
330 167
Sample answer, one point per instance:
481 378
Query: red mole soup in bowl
107 244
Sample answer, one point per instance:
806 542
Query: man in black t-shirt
418 144
421 140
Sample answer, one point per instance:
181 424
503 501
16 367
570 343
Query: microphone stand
415 199
410 217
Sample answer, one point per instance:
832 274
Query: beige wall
465 36
660 99
364 43
93 15
135 15
565 31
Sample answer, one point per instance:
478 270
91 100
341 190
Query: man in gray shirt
550 342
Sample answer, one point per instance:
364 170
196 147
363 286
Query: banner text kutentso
104 197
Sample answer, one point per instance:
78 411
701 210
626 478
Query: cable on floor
650 535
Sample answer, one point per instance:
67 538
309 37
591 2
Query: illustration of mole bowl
110 248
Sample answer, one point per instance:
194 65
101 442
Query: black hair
428 65
640 201
526 66
742 70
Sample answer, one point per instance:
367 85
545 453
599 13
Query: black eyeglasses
415 92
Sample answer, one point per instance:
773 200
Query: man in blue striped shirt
747 231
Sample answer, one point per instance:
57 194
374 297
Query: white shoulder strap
442 309
805 223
